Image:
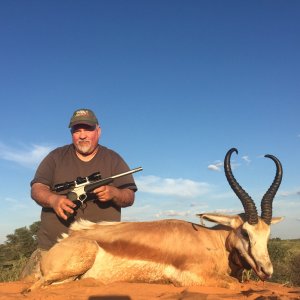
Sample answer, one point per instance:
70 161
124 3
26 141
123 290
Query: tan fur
168 251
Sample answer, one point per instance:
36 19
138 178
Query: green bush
285 257
12 271
15 252
295 269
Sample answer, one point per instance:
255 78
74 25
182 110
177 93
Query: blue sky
175 84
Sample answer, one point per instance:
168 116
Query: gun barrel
127 173
91 186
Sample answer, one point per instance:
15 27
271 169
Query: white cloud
215 166
283 204
29 156
222 195
246 159
14 204
173 213
292 192
234 165
172 187
228 211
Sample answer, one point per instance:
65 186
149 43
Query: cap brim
89 123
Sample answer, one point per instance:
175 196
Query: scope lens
81 180
95 176
63 186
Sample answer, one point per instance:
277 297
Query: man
79 159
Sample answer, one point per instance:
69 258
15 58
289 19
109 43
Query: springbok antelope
169 251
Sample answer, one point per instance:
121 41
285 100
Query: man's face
85 138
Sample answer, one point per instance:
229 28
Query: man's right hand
42 194
62 205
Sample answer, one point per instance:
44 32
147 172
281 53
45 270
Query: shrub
295 269
12 270
285 257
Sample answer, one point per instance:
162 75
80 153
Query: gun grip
68 214
72 196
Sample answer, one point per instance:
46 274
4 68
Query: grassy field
285 256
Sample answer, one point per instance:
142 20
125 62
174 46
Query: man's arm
42 194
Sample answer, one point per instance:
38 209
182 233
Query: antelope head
247 242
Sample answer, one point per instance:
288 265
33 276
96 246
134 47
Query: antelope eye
245 234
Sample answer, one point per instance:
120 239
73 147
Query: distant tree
19 244
16 250
2 254
34 228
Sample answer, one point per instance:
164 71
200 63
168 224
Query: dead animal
169 251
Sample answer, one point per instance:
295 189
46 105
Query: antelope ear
276 220
231 221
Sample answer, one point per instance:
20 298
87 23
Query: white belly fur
108 268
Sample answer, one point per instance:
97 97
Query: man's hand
106 193
121 197
42 194
61 205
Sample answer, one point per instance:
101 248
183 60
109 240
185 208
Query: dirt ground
90 289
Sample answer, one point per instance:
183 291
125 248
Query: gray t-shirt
62 165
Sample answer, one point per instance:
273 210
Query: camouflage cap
83 116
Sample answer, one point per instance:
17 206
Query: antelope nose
267 270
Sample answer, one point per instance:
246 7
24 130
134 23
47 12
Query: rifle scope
79 180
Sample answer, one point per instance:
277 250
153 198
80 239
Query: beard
84 147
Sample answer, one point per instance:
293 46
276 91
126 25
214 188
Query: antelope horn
248 203
266 202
